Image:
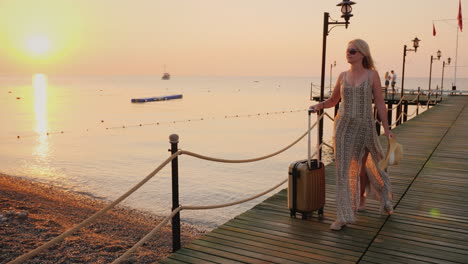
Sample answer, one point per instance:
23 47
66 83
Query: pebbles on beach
32 214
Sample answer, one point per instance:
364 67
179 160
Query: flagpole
456 60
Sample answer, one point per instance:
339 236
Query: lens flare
434 212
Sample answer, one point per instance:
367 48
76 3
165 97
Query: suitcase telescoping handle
309 158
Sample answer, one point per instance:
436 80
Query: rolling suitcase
306 185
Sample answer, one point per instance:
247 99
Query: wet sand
33 213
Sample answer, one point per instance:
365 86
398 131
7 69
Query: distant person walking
387 81
394 79
357 147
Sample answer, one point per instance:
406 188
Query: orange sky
218 37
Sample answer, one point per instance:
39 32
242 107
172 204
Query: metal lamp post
442 81
405 49
331 67
439 54
346 10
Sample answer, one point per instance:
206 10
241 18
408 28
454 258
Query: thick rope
331 118
148 236
253 159
327 145
91 219
413 114
180 208
415 99
399 102
392 124
216 206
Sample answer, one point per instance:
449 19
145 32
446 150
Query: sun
38 45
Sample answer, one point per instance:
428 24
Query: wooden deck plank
400 254
381 258
281 249
311 239
416 247
171 261
190 259
271 256
200 247
430 224
289 243
204 256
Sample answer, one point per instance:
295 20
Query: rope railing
253 159
182 207
398 104
411 115
331 118
96 215
416 98
328 145
402 114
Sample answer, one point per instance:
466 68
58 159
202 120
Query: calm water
83 134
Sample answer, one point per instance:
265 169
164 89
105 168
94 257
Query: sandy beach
33 213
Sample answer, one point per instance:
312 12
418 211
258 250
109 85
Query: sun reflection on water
40 110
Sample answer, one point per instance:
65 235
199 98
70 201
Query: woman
387 78
355 136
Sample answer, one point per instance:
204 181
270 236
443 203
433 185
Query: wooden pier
430 224
411 98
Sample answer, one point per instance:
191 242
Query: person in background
387 78
356 143
394 79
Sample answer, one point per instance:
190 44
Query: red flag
433 30
459 17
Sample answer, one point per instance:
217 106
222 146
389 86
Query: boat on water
166 75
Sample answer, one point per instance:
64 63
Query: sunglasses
352 51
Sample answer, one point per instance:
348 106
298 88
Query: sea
83 134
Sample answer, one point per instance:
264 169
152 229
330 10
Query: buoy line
49 133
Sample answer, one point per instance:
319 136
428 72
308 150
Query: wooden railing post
417 101
389 113
377 119
174 140
398 113
405 111
428 98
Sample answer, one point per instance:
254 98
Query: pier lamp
442 81
439 54
405 49
346 10
331 67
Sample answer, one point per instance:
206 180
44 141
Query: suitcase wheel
320 212
292 213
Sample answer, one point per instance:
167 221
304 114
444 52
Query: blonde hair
363 48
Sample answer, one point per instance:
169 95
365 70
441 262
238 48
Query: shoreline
32 213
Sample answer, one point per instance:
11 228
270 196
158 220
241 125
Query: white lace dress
354 134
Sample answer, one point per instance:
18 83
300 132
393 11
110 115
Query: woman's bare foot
388 208
337 226
362 203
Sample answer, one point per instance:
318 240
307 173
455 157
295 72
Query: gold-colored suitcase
306 185
306 188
